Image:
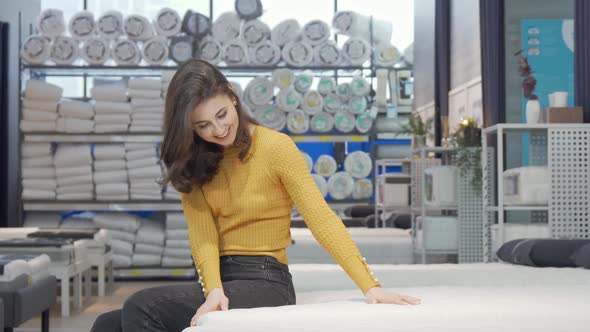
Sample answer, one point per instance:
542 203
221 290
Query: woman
238 182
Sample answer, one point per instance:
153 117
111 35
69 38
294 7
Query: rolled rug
297 122
82 25
326 85
325 165
226 27
40 90
37 126
284 32
138 27
181 49
350 23
344 92
265 54
111 128
340 185
363 189
358 164
34 115
322 122
271 117
110 24
155 50
363 123
210 50
327 54
322 184
196 24
344 121
386 55
145 84
308 160
303 81
109 151
237 87
357 104
37 161
409 54
255 32
51 23
260 90
30 150
359 86
283 77
356 51
297 53
64 50
72 125
316 32
41 105
313 102
332 103
248 9
36 49
235 53
72 154
288 99
126 52
167 22
95 51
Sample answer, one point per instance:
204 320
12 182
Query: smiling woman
203 117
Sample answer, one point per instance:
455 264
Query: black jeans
248 282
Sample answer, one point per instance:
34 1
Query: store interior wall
516 10
424 82
10 13
465 49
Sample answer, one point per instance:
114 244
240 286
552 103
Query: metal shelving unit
561 150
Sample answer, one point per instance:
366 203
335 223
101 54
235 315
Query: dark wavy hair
189 159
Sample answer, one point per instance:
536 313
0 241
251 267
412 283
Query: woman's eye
221 116
203 126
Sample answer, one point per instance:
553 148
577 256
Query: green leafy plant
417 127
467 139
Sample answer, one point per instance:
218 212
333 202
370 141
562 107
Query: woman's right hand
216 300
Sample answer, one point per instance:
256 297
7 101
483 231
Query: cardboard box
564 115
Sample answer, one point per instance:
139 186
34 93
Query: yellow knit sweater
246 210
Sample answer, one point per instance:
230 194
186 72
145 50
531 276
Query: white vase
533 111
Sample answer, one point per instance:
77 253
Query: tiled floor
81 320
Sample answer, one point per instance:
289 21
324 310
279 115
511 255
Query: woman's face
216 120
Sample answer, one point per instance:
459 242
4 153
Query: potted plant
418 129
467 139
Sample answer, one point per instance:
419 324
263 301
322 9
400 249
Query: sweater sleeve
203 237
324 224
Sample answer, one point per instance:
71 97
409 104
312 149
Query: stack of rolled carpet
177 252
122 228
166 77
42 219
73 166
40 106
149 243
147 105
144 171
110 173
38 173
75 117
111 107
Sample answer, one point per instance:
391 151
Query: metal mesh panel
570 183
538 148
488 196
418 167
470 221
539 216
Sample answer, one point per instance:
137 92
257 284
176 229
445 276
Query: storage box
394 189
564 115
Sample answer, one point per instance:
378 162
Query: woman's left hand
378 295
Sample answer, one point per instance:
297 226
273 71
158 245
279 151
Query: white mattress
489 297
378 245
36 268
16 232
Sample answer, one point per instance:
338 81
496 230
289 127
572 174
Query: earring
235 102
